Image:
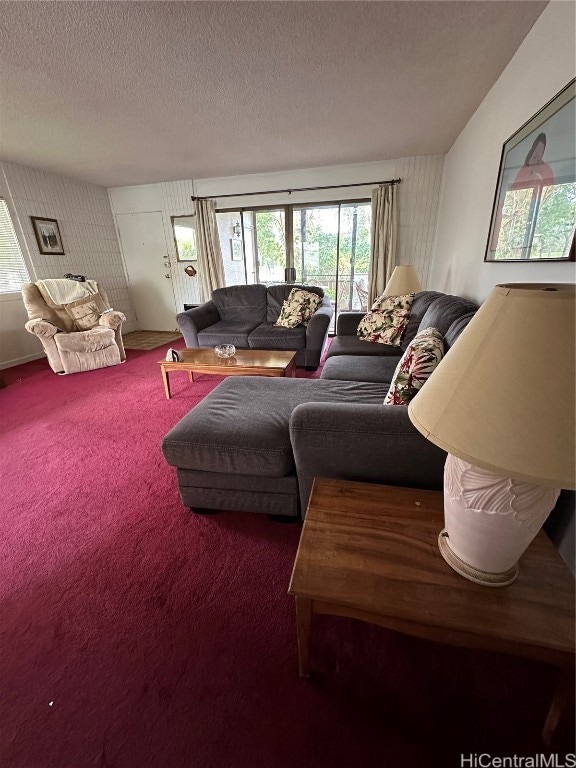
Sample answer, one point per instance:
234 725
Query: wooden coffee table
246 362
370 552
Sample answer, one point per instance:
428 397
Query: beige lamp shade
503 397
402 281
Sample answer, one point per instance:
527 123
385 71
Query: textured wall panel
418 199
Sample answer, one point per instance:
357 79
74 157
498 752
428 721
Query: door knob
167 275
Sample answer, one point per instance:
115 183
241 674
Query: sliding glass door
326 244
332 249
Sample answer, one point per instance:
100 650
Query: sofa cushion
276 295
352 345
226 332
416 366
378 369
270 336
222 435
241 303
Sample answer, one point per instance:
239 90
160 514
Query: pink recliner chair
75 323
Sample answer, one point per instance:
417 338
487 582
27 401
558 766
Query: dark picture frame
48 237
534 210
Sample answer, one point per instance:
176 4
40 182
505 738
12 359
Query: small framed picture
236 249
47 236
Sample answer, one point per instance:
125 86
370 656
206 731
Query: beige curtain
210 264
383 241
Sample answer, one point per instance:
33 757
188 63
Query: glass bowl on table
225 350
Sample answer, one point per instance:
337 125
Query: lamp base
490 521
471 573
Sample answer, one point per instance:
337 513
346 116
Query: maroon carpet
134 634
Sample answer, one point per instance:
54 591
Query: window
332 250
325 244
13 271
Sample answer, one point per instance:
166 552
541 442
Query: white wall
90 245
417 204
541 67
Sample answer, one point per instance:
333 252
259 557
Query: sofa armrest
41 328
368 443
348 322
112 319
196 319
317 327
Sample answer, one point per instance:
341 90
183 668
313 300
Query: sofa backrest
422 301
277 295
456 329
444 310
241 303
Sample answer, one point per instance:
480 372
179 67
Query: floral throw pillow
383 327
393 302
290 315
299 302
422 355
386 322
308 301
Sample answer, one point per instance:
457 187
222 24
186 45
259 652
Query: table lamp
501 403
402 281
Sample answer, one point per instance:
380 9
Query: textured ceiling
134 92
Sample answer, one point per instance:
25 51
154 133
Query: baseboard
21 360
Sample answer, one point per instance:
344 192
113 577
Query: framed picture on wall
534 211
47 235
236 249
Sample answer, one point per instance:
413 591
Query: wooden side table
370 552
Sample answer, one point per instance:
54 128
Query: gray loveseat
255 443
244 315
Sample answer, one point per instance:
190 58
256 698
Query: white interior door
149 271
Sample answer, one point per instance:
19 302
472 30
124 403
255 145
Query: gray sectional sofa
255 444
244 315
